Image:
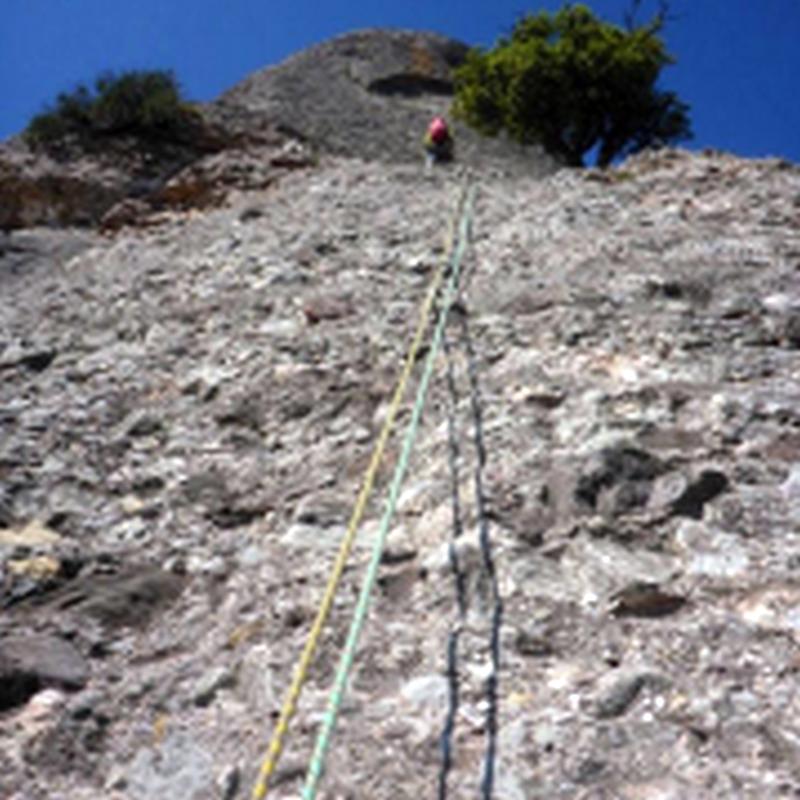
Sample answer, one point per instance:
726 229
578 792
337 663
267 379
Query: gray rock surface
370 94
187 409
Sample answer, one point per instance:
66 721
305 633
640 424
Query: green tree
144 104
571 82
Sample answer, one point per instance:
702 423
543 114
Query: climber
438 142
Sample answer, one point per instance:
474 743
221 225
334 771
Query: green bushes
573 83
144 104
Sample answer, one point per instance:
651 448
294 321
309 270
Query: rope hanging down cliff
459 575
289 707
348 655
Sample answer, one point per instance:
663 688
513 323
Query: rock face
38 190
125 186
187 410
370 95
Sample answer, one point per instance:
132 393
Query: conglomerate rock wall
186 412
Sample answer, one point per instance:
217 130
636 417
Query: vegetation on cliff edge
573 84
147 105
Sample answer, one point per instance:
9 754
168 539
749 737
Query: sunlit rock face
189 398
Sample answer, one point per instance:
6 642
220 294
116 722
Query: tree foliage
571 82
145 104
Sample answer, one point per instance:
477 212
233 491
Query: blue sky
738 60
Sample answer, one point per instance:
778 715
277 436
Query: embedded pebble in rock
179 766
228 782
618 692
187 411
711 552
209 685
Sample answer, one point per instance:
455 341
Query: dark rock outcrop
31 663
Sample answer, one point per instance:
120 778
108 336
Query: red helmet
438 129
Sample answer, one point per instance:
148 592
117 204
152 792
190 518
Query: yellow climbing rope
301 671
